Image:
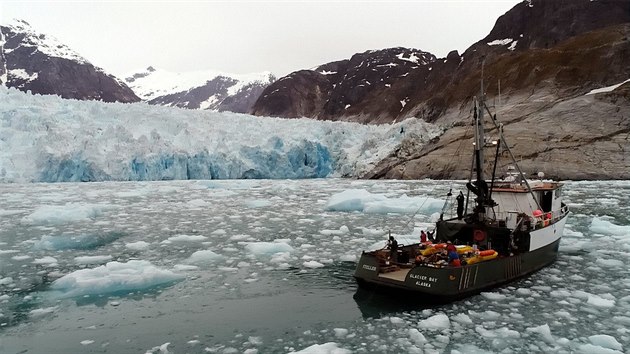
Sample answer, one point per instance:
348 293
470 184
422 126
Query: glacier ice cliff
49 139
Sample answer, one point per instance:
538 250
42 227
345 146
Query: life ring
479 235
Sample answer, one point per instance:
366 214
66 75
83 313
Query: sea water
265 266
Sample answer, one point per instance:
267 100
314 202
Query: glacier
49 139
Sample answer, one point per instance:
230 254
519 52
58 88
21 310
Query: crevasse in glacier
49 139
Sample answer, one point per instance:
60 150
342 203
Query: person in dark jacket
460 205
393 249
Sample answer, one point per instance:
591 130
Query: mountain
546 56
39 63
199 90
384 85
347 88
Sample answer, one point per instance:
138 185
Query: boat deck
398 275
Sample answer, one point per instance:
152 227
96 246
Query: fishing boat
513 228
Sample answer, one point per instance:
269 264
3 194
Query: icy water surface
266 267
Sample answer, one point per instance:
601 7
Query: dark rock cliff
40 64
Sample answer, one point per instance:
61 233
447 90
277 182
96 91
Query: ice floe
114 277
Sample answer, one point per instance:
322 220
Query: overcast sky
252 36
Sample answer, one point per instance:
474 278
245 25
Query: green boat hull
448 283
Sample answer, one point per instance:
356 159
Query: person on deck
460 205
453 257
423 237
393 249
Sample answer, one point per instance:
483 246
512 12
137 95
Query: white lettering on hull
369 267
424 280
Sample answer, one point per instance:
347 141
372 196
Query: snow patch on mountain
23 75
46 44
505 41
151 83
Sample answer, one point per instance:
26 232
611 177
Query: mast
479 187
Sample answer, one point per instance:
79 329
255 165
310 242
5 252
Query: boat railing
513 219
551 217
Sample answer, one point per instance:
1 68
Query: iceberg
50 139
114 277
364 201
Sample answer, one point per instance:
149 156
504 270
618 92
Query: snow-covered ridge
49 139
46 44
152 82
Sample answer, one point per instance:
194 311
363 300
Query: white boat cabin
514 198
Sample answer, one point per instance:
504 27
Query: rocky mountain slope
31 61
545 55
199 90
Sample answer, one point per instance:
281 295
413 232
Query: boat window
558 193
546 201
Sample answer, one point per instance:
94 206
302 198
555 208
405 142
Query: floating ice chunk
268 248
137 246
87 342
497 333
462 318
362 200
258 203
204 256
610 263
469 348
228 269
42 312
561 293
342 231
326 348
416 337
313 264
92 259
493 296
240 237
6 281
601 226
595 349
114 277
186 238
20 257
351 200
601 302
45 260
436 322
63 214
77 242
396 320
340 332
198 203
545 333
348 258
162 349
486 315
185 267
606 341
